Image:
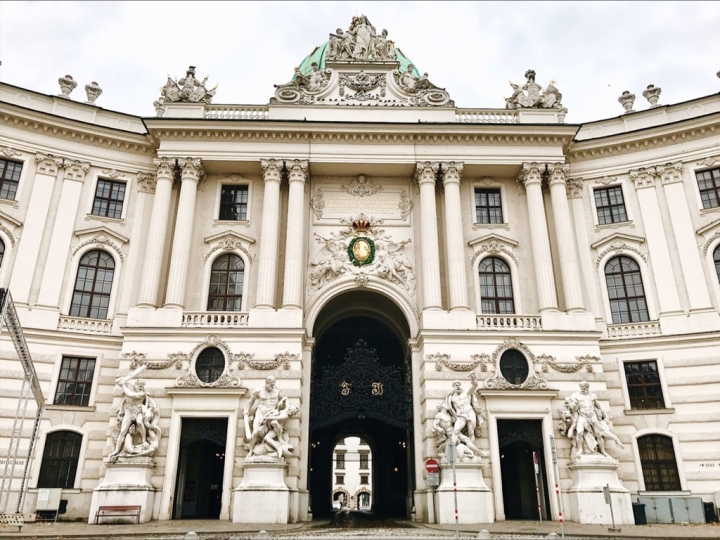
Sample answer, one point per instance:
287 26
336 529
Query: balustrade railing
486 116
236 112
78 324
509 322
214 318
620 331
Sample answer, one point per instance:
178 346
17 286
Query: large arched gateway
361 386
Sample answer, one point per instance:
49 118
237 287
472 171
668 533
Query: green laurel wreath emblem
351 251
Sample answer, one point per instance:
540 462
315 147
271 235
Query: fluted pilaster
297 173
564 234
267 258
454 245
531 177
157 232
425 175
191 172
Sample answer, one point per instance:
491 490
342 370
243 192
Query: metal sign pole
536 465
558 496
451 455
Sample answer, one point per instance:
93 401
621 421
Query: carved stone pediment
229 241
8 224
618 243
709 234
101 237
493 244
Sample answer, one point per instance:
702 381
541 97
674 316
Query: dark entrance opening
518 439
198 490
361 387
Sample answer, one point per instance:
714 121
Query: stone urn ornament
159 105
93 92
67 85
627 100
652 94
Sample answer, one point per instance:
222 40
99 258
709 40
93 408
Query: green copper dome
320 53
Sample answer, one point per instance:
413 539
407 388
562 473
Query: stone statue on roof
531 96
188 89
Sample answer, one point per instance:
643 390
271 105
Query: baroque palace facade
281 277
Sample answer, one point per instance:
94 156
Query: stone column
531 176
62 232
657 244
29 248
425 175
267 258
190 173
454 245
564 235
297 171
157 232
684 232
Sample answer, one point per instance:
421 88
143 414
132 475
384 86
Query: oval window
210 365
514 367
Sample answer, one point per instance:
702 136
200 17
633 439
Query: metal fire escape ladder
9 319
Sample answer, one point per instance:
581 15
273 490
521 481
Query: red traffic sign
432 466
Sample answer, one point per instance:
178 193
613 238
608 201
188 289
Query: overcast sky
593 50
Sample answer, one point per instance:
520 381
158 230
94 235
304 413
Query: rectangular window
709 184
488 206
339 461
364 478
364 461
233 203
643 383
610 205
75 381
339 478
109 197
9 178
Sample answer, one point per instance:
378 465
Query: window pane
657 457
60 460
93 285
488 206
495 286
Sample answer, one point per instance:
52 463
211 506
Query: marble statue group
360 42
265 419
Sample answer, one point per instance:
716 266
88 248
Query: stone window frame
7 225
127 179
199 350
648 285
639 357
74 279
696 186
489 183
42 440
494 274
620 182
514 277
638 463
72 276
57 364
75 380
233 179
20 176
627 297
712 245
207 272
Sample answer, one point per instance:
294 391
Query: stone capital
573 187
191 169
557 173
643 177
146 182
9 152
452 171
531 174
426 172
75 170
49 164
272 169
165 168
297 170
670 172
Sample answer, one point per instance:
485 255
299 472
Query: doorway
520 443
199 486
361 387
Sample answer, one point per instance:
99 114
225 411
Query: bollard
484 535
262 534
552 535
192 535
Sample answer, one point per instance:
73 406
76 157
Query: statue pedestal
126 483
590 474
262 496
474 498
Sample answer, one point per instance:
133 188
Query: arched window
210 365
657 457
716 258
496 291
226 283
93 284
2 252
625 291
60 460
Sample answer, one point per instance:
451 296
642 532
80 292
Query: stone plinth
590 474
263 496
126 483
474 498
